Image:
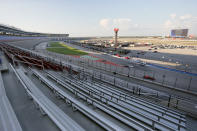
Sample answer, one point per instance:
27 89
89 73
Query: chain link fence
185 82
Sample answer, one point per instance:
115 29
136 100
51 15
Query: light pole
177 64
186 66
163 58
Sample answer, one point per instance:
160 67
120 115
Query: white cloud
187 16
183 21
173 16
105 23
168 24
122 23
128 27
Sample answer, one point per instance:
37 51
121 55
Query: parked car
149 77
142 63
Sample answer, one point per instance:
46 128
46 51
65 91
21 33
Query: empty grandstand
13 31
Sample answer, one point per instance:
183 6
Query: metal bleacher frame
129 121
46 106
102 121
169 116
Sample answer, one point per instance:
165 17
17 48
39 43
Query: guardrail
8 119
62 121
173 123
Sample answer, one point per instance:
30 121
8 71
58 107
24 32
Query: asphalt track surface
170 69
28 44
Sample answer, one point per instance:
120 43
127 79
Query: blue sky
99 17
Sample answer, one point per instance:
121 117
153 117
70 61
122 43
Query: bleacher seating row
46 106
163 118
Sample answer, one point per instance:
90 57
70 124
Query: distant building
179 33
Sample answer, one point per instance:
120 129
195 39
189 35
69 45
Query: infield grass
61 48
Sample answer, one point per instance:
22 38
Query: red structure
18 55
116 36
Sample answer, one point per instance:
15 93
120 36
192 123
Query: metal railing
172 82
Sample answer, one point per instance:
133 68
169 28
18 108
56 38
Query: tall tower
116 36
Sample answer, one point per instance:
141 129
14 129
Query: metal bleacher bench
63 122
159 115
99 119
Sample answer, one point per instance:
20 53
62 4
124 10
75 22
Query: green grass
61 48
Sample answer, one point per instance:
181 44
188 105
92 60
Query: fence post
169 100
175 82
133 89
189 83
153 74
177 102
163 79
